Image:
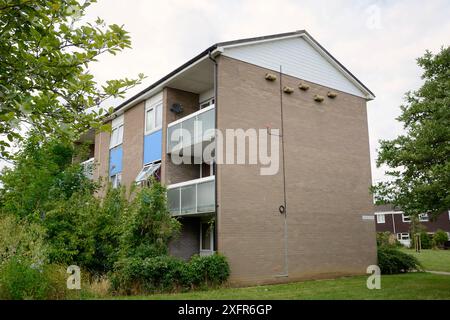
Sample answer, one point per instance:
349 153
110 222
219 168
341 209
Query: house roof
219 45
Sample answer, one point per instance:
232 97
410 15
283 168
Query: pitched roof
244 41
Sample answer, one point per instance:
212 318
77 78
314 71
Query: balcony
192 197
198 126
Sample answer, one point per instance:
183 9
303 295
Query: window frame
116 180
421 219
211 239
206 103
381 218
401 234
117 125
149 106
406 219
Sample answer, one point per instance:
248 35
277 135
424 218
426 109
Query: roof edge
212 48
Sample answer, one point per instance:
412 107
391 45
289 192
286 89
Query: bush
393 261
18 281
439 238
426 240
21 280
21 239
209 270
167 273
387 239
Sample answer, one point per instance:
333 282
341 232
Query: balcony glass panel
188 195
192 197
207 120
173 199
172 144
196 131
189 126
205 197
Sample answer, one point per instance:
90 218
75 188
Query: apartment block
310 218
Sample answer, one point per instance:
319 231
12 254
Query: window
448 214
207 103
423 217
153 116
402 236
116 180
148 171
206 238
406 218
380 218
116 132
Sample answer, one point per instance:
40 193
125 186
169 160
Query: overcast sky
378 41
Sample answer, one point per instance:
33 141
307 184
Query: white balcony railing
192 197
198 126
88 168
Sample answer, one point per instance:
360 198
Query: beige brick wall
327 179
133 143
101 156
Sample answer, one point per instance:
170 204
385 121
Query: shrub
387 239
167 273
426 240
19 281
439 238
21 239
393 261
209 270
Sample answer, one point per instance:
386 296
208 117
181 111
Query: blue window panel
115 160
153 146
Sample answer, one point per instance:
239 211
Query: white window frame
423 217
448 214
207 103
381 218
406 219
145 174
116 180
154 104
116 128
402 234
205 252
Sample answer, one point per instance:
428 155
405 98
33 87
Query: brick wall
133 143
327 180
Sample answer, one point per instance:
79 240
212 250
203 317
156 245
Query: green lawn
404 286
434 260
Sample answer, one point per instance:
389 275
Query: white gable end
298 59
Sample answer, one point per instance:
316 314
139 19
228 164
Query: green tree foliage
440 238
51 218
45 83
420 159
22 240
148 226
42 174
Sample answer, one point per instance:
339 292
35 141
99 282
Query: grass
434 260
417 285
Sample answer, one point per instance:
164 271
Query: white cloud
166 34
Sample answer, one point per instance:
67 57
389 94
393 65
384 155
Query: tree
45 83
419 160
42 174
